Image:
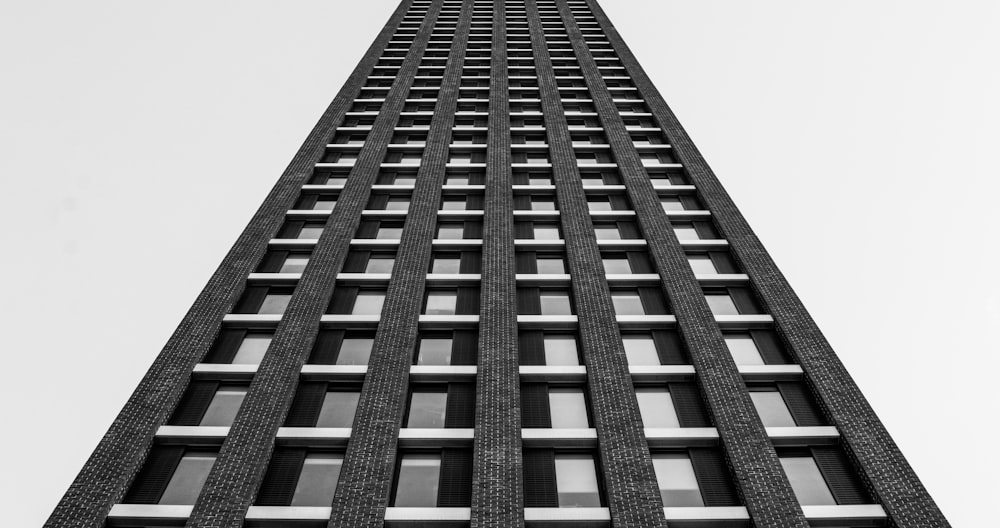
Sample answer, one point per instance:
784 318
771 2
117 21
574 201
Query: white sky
858 137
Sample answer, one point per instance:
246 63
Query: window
338 409
368 303
743 349
550 265
604 232
560 350
640 350
396 203
555 303
389 233
656 407
355 351
672 203
721 304
807 482
576 480
686 232
252 348
772 408
379 265
434 351
441 303
188 479
427 409
318 480
451 231
224 405
264 300
294 263
677 481
418 480
702 265
614 266
275 303
627 303
546 232
446 264
542 204
568 408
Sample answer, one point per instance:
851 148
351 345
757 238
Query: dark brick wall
764 487
888 475
496 483
109 471
630 483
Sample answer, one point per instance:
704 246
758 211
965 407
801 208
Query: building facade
497 286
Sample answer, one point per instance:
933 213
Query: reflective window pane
743 349
379 265
441 303
568 409
252 349
294 264
607 233
446 265
721 304
368 304
275 303
223 408
318 480
451 232
671 204
389 233
546 233
434 351
677 481
656 407
576 480
555 304
616 266
702 265
427 409
417 485
397 204
807 482
310 232
772 408
355 351
554 266
188 479
627 303
561 350
686 233
338 409
640 350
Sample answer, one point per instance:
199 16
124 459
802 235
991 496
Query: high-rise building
497 286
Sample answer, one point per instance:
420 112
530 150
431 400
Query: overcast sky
858 137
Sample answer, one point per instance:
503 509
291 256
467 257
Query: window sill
662 372
544 373
559 437
681 436
161 514
795 436
770 372
853 515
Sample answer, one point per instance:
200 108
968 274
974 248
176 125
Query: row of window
398 201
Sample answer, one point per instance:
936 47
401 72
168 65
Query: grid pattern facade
497 286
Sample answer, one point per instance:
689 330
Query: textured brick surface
763 485
888 476
496 480
108 472
632 492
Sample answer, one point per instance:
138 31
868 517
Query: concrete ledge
441 372
334 372
784 436
313 436
437 437
770 372
546 437
681 436
149 514
191 434
567 517
561 373
854 515
662 372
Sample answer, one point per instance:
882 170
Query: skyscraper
497 286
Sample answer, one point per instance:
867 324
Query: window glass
671 204
325 204
677 481
417 485
555 304
743 349
397 204
457 180
560 350
389 233
355 351
640 350
554 266
656 407
568 409
546 233
807 482
616 265
772 408
294 264
597 204
686 233
309 232
441 303
223 408
627 303
542 204
427 409
446 265
379 265
252 349
275 303
318 480
702 265
607 233
576 480
451 231
721 304
368 304
453 204
434 351
338 409
188 479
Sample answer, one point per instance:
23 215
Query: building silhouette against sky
497 286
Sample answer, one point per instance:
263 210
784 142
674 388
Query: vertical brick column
888 475
496 477
632 491
365 479
242 461
765 489
107 474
